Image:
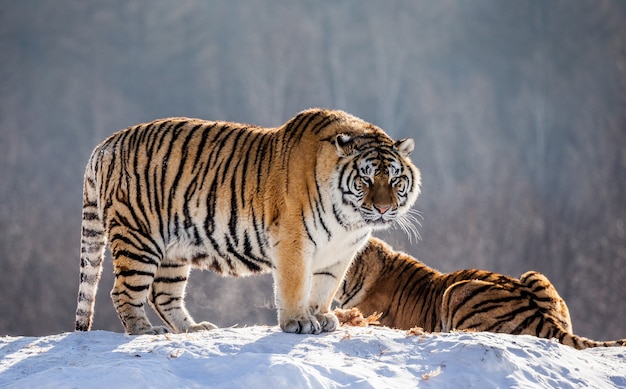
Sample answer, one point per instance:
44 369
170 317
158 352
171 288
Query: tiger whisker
409 223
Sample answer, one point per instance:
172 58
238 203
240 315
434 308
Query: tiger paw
328 321
202 326
158 330
301 325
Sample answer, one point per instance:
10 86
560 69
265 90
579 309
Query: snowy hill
264 357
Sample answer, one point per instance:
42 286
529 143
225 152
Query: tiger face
378 182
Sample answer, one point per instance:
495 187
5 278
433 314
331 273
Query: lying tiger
410 294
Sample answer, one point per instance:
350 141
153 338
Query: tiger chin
299 201
409 294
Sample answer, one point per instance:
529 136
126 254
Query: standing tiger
299 200
410 294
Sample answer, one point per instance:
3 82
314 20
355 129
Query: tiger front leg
325 285
292 286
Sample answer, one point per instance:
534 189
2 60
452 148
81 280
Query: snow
264 357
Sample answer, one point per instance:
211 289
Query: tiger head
378 181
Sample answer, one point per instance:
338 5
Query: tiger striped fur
410 294
299 201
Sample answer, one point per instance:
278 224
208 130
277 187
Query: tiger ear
405 146
345 145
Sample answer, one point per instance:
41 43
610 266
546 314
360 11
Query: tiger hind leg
167 298
548 298
134 273
478 305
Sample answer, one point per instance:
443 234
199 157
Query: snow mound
265 357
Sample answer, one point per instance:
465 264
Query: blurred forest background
518 110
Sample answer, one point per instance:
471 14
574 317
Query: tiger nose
382 208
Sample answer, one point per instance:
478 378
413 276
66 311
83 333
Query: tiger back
298 200
410 294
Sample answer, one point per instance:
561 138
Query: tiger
407 294
297 201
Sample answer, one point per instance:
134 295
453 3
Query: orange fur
410 294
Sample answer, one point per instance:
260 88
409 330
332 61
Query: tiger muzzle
381 197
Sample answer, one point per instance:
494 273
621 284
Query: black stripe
325 122
324 273
242 164
234 213
88 204
134 256
211 199
228 159
248 251
206 131
292 134
168 165
139 242
131 273
259 232
90 215
133 154
136 288
306 228
319 210
338 217
253 267
90 233
170 280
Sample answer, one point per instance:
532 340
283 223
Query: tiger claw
302 325
328 321
322 322
203 326
158 330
